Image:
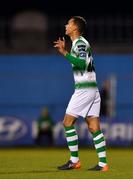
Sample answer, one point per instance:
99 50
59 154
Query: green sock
72 141
100 147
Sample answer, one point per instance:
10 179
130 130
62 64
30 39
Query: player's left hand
60 45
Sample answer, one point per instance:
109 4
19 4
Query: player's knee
67 123
93 124
93 128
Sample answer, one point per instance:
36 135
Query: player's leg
99 142
72 141
71 137
78 106
93 123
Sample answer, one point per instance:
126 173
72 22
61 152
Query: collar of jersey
76 40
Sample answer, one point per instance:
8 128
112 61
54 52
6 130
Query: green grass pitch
41 163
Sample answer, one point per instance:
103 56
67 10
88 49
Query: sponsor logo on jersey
82 55
82 46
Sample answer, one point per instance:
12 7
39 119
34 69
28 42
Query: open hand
60 45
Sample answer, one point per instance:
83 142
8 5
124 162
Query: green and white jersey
82 63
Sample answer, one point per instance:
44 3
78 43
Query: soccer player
85 101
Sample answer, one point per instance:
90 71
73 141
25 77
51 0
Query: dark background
58 8
110 25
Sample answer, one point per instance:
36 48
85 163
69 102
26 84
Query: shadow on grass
28 172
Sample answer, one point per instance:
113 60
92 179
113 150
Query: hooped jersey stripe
82 63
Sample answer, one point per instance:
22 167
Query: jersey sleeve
80 63
80 59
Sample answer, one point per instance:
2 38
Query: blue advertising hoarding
16 131
28 83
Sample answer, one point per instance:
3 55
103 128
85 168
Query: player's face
70 27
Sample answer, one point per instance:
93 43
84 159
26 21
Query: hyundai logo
11 128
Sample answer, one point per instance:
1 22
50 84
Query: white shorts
84 102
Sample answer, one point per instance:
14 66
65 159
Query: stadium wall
29 83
